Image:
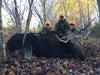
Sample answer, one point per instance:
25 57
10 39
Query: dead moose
48 45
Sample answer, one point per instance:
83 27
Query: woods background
19 16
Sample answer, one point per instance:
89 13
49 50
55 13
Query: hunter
72 27
62 26
46 29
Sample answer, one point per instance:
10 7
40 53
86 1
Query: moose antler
62 40
71 36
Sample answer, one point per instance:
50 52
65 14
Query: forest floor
56 66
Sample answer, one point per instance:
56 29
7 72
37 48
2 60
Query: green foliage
96 30
39 26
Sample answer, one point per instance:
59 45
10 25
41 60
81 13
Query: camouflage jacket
62 26
44 30
74 31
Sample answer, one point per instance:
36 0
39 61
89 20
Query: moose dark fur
46 45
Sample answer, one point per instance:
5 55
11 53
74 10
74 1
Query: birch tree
30 2
28 53
1 33
28 19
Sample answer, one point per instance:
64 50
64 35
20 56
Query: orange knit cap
47 22
72 23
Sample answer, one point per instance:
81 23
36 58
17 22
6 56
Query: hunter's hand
82 32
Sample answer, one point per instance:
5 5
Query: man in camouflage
72 27
46 29
62 26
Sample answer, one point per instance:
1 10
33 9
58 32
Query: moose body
46 45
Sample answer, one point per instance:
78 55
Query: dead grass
93 41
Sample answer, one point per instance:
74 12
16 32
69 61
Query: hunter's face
48 26
71 26
61 18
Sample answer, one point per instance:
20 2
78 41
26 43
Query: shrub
96 30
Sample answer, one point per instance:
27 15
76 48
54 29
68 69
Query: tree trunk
98 2
44 10
88 8
28 20
80 11
1 33
17 19
29 16
28 54
65 9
